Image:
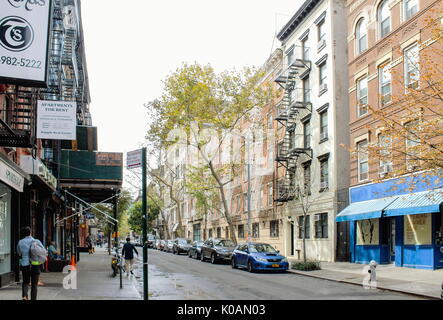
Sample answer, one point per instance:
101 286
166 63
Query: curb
358 284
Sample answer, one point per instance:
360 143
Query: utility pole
249 190
145 223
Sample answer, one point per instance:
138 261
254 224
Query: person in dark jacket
128 254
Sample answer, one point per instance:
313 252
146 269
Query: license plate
276 266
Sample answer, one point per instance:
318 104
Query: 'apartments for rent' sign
56 120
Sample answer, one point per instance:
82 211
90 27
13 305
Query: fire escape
294 107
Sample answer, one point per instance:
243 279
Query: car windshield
262 248
184 241
225 243
151 238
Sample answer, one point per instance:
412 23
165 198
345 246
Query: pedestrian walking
128 254
32 255
89 244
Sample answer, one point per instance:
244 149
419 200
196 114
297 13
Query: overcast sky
132 45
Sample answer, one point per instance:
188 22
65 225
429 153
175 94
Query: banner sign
134 159
24 41
109 159
56 120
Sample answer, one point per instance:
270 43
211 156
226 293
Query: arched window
384 19
361 35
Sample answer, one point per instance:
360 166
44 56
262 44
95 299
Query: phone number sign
24 35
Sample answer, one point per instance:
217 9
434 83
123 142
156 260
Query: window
412 73
363 165
307 178
321 225
305 49
384 19
227 232
361 35
241 230
324 174
321 31
292 139
307 134
273 226
256 230
290 57
306 90
412 144
362 96
324 125
270 195
210 233
385 145
307 227
410 7
322 80
384 76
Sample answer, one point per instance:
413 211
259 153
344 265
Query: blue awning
370 209
416 203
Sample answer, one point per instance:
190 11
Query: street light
247 138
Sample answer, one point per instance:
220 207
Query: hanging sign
56 120
24 40
134 159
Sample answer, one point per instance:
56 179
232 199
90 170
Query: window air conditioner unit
316 217
323 185
323 87
384 169
321 44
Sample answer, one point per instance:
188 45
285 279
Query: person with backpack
32 255
128 254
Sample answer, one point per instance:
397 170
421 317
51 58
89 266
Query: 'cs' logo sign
16 34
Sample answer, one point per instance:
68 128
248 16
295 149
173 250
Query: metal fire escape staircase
290 111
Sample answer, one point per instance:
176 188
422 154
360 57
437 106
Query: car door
242 255
205 248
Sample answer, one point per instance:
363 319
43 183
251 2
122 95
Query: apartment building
389 221
312 167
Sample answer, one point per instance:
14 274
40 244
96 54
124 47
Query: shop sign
24 39
109 159
11 177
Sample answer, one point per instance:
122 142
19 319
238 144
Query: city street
179 277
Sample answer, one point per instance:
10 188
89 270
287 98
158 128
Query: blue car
258 256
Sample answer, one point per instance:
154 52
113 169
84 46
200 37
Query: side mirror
278 251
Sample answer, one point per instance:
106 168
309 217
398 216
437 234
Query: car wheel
233 264
250 268
213 259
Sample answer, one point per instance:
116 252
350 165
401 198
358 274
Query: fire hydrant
372 273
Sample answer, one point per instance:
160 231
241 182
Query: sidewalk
420 282
94 282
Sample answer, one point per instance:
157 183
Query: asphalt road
173 277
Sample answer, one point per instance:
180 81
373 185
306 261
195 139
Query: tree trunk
304 237
225 204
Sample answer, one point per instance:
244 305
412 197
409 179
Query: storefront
11 186
396 221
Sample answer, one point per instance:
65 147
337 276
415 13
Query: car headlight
284 260
261 259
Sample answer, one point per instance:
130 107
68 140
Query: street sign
134 159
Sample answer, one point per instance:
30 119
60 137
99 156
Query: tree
135 214
194 98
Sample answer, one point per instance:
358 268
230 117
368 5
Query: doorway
392 240
343 250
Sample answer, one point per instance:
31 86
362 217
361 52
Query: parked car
195 250
217 250
161 245
169 245
181 245
138 243
151 241
258 256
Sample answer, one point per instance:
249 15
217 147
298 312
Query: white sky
132 45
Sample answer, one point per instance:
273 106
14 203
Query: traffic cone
73 267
